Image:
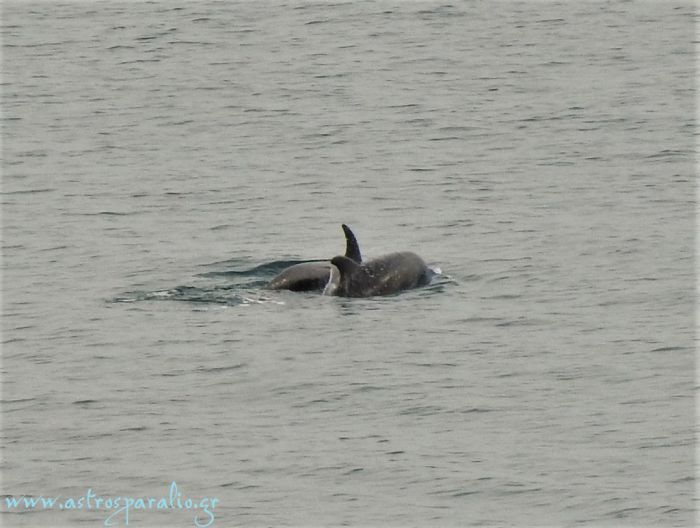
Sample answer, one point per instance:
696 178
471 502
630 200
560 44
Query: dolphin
384 275
312 276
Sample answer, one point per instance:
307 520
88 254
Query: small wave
221 296
222 369
438 280
27 191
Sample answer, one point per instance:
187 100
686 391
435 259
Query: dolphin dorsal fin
352 248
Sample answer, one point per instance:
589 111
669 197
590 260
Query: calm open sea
162 160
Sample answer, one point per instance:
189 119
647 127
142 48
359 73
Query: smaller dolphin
382 276
311 276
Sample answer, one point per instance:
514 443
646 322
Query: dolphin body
384 275
314 276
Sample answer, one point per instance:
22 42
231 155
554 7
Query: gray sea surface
162 160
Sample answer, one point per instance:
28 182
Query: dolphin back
305 276
382 276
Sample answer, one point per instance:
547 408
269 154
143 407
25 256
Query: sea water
162 160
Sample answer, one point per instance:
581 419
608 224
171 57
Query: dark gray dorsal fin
345 265
352 248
